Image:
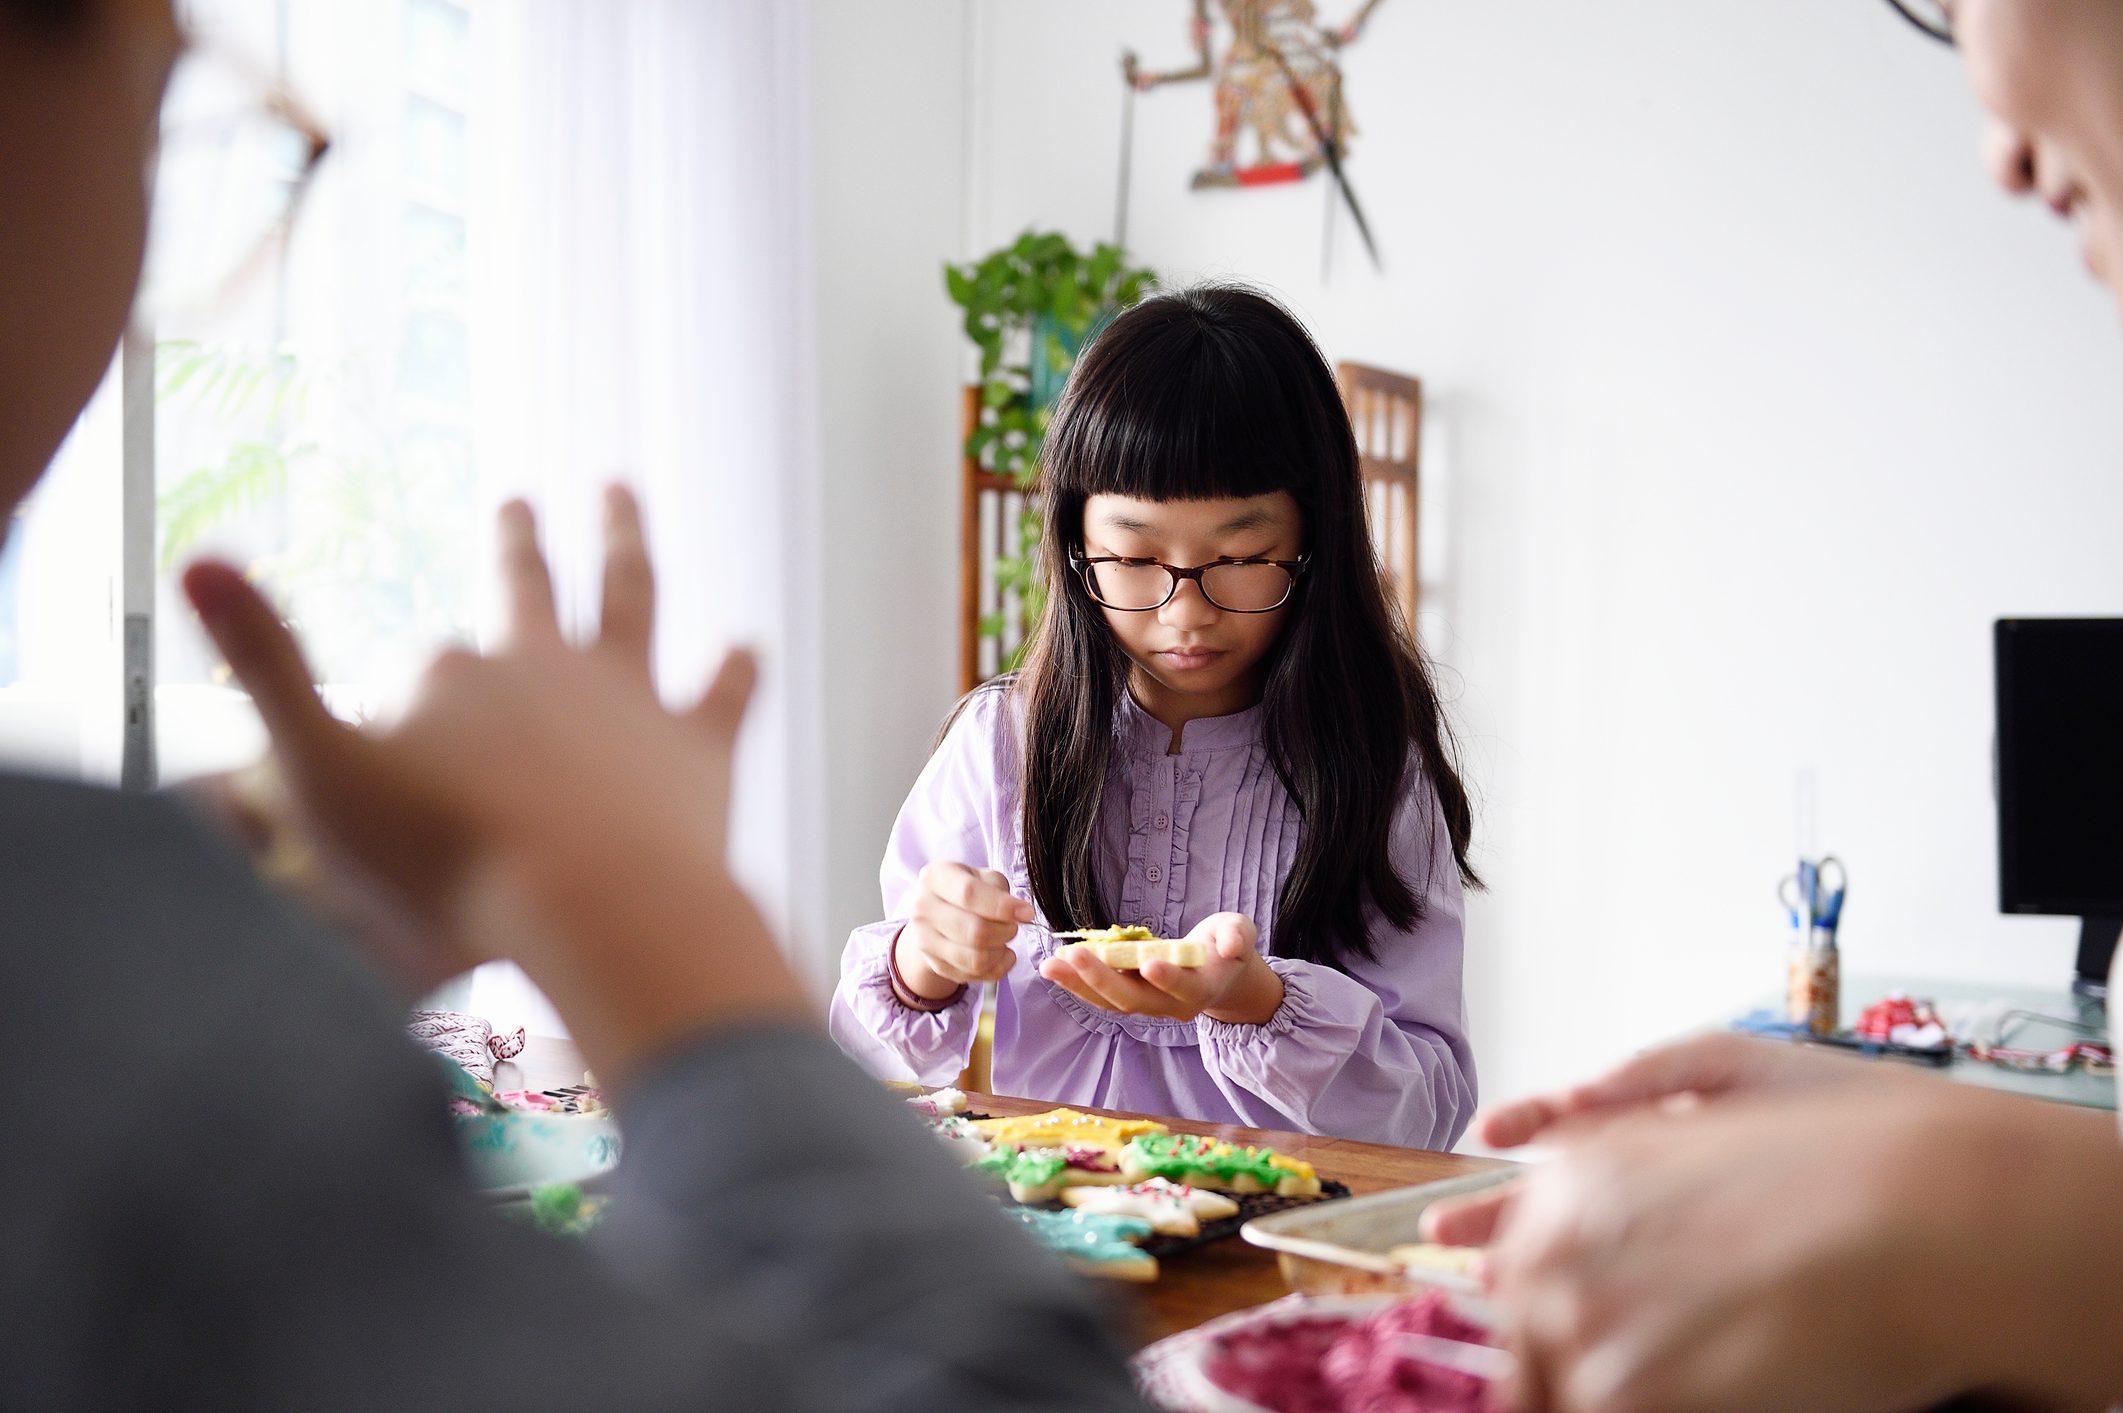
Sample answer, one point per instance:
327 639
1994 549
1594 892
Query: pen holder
1813 989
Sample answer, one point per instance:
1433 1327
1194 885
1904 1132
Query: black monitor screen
2060 765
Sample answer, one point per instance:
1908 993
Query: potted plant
1030 307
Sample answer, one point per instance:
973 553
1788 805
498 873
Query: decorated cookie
1064 1128
1095 1243
938 1103
959 1135
1133 954
1211 1162
569 1099
1042 1174
1172 1209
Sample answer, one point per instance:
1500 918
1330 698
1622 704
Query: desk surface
2076 1087
1229 1275
1195 1286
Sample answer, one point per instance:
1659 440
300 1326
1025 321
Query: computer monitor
2060 779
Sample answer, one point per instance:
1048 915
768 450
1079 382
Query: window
59 673
479 299
10 614
315 426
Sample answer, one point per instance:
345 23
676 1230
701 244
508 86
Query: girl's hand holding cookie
1235 985
959 930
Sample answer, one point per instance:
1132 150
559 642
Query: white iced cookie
1171 1208
938 1103
958 1134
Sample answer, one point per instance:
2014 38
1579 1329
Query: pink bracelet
905 994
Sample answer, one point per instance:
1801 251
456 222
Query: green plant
228 384
1030 307
366 518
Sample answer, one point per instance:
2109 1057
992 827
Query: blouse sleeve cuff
892 1040
876 979
1299 1006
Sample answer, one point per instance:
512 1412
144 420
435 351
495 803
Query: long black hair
1204 393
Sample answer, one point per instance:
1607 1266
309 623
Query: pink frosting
1096 1160
1336 1365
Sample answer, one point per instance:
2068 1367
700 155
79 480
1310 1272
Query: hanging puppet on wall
1278 65
1281 114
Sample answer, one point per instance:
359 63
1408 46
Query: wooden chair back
989 507
1386 413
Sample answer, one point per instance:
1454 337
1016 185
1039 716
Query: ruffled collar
1143 734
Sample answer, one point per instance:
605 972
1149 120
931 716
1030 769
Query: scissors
1810 893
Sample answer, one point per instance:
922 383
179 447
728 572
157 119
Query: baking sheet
1343 1245
1250 1206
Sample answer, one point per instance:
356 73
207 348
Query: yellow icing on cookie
1060 1128
1117 934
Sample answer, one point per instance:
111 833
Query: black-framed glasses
1930 16
1233 585
237 152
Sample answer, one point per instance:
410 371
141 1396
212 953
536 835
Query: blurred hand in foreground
1739 1225
537 803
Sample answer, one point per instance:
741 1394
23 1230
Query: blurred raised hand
537 802
1874 1246
1701 1067
1683 1074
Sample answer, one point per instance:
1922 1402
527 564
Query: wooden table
1194 1286
1228 1275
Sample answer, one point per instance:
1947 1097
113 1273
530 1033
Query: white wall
888 127
1751 406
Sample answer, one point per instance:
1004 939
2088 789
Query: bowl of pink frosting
1330 1354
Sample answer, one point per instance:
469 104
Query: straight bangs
1168 405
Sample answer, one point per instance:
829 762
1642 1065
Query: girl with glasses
1223 733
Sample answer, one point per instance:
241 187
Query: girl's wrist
914 985
1254 1000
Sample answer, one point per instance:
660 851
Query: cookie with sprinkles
1094 1243
1211 1162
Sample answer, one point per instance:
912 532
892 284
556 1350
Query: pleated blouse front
1376 1052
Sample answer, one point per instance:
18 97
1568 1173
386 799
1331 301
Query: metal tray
1339 1248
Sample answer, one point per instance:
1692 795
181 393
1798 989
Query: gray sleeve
232 1184
765 1172
780 1239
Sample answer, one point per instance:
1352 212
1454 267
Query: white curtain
641 310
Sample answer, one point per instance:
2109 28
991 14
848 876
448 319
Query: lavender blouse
1378 1052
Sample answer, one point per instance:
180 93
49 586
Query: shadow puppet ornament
1281 114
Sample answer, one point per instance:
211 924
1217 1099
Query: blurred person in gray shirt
230 1180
